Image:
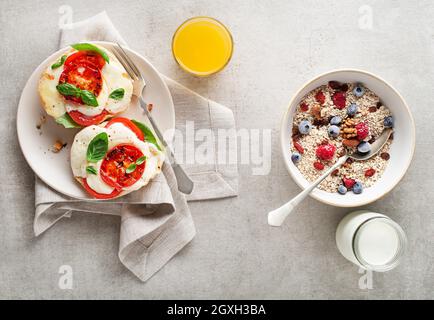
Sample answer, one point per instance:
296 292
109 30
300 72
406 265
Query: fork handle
185 184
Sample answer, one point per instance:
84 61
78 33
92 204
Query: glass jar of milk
371 240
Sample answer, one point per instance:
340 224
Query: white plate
54 168
401 151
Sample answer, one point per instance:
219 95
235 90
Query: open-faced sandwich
85 86
115 158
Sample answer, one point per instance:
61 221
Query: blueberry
358 90
364 147
336 120
295 157
388 122
352 109
357 188
304 127
342 189
333 131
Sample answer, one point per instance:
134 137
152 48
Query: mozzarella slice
95 182
115 77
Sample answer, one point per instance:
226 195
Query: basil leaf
149 135
97 148
117 94
59 63
91 47
88 98
91 170
67 121
140 160
68 89
131 168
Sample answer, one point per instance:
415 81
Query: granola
331 118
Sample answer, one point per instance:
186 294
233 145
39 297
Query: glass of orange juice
202 46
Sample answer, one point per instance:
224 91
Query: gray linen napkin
155 221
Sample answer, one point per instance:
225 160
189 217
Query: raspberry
318 165
362 130
320 97
304 107
339 99
325 151
348 183
298 147
370 172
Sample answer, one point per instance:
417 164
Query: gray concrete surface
278 46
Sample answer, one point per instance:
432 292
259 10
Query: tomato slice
84 120
89 57
97 195
83 69
114 166
83 76
129 124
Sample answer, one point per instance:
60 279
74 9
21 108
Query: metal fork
185 185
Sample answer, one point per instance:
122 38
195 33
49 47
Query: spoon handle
276 217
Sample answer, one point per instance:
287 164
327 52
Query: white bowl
401 151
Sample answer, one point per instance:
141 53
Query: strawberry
339 99
325 151
370 172
318 165
362 130
348 183
320 97
304 107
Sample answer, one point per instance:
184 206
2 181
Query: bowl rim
284 147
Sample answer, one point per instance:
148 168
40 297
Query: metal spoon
276 217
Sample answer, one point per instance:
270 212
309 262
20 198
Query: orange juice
202 46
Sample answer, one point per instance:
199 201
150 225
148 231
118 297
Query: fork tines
126 62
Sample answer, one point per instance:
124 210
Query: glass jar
371 240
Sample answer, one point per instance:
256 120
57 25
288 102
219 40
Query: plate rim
44 63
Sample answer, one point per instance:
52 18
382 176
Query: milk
370 240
